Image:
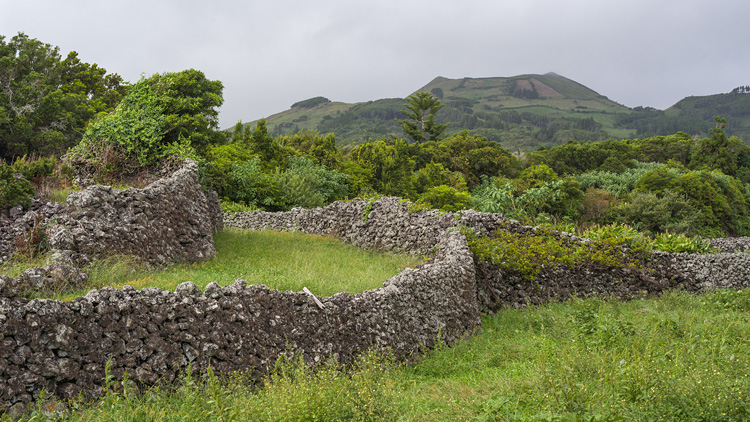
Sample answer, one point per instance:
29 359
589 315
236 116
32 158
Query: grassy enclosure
280 260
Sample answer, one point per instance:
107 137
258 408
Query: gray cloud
272 54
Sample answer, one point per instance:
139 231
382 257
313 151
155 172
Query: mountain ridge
523 112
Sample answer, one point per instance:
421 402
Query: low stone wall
16 222
170 220
731 244
496 287
386 224
154 334
55 277
708 272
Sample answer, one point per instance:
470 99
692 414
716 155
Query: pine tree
420 111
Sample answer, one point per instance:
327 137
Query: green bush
14 190
619 235
231 206
670 212
619 184
527 254
445 198
679 243
309 185
35 169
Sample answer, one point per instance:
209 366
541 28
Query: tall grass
679 358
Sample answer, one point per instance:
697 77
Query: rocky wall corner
171 220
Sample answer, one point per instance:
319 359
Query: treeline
669 183
659 184
662 183
47 100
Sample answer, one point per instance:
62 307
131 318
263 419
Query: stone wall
154 334
731 244
386 224
496 287
16 222
170 220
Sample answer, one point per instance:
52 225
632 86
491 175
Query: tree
420 111
45 101
190 105
161 114
387 165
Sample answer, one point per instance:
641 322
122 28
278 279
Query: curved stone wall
154 334
496 287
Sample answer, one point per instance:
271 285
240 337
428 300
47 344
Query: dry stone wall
170 220
731 244
16 222
497 287
155 334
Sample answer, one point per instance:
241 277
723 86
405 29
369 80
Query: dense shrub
14 188
619 184
679 243
445 198
308 185
560 198
527 254
648 212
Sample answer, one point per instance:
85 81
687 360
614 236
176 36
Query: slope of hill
694 115
522 112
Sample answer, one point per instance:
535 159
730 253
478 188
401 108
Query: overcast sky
270 54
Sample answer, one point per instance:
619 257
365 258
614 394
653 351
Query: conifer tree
420 111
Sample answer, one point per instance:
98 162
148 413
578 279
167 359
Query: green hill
522 112
695 115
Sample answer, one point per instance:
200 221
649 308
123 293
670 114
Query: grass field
280 260
678 357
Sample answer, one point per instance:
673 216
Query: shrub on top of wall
528 253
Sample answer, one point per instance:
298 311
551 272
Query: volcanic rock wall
170 220
497 287
155 334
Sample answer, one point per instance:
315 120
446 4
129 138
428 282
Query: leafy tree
433 175
471 155
537 175
263 144
446 198
719 152
420 112
387 164
309 185
189 102
160 114
46 101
